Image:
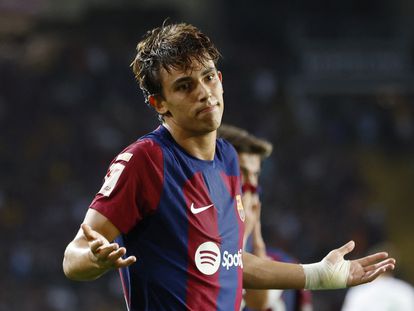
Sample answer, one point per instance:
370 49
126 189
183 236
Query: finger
126 262
116 254
372 275
95 245
88 232
380 264
371 259
104 251
347 248
116 257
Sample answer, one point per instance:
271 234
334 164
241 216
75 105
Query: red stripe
233 184
125 289
202 289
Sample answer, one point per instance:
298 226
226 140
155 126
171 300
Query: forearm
256 299
78 265
261 273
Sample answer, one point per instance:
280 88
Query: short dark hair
243 141
170 46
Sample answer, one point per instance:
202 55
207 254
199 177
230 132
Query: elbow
69 272
65 266
66 271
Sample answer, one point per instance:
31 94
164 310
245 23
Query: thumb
88 232
347 248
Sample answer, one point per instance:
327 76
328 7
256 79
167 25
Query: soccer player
252 151
172 199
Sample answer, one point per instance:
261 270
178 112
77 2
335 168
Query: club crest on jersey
240 208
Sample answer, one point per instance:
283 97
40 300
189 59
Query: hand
361 270
103 253
251 204
336 272
258 244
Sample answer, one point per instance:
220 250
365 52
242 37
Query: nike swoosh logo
196 210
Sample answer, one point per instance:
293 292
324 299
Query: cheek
181 111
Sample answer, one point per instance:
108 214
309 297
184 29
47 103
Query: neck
199 145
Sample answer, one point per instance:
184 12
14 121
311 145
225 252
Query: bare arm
330 273
260 273
257 299
91 252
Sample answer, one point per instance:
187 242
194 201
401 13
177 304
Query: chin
215 124
208 127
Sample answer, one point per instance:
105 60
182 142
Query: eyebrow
188 78
245 168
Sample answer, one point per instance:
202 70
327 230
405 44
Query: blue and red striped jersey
182 218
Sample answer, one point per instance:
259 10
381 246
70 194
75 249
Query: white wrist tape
325 275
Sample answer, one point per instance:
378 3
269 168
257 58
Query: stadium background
330 83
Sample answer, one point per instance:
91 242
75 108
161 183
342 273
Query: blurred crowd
342 167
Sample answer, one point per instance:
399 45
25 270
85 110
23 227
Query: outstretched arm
91 252
330 273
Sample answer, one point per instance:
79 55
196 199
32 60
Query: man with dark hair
172 199
252 151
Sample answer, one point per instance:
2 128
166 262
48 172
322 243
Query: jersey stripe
233 186
200 231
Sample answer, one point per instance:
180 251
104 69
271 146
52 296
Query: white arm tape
325 275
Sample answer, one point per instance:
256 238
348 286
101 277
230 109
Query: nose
204 93
252 179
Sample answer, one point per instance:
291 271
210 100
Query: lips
207 109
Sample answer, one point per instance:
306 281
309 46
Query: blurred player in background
173 201
251 152
385 294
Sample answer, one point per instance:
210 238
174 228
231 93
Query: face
250 170
192 101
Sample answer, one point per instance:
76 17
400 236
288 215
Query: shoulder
143 145
226 150
143 149
225 145
227 156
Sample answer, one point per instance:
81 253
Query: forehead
195 68
250 162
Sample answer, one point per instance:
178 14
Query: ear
220 76
158 103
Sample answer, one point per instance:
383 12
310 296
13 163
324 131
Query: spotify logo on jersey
208 258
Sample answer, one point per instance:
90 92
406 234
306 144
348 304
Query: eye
244 173
184 87
211 76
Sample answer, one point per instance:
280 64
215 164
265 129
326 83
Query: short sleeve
132 186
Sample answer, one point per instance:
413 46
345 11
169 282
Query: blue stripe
229 233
